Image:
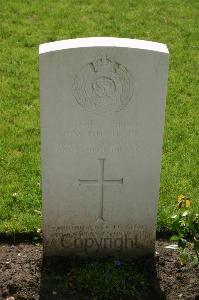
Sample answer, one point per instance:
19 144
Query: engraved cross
101 182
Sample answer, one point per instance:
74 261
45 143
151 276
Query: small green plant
108 280
186 226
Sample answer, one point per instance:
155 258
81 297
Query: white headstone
102 115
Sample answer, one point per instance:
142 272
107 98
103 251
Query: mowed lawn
27 23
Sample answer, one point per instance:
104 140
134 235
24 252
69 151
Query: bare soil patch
25 275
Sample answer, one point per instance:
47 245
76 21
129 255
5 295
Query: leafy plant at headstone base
186 226
108 280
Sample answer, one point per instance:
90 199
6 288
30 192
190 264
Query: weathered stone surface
102 114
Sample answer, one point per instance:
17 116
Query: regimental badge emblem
103 86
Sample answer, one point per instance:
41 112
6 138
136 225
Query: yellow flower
188 203
180 198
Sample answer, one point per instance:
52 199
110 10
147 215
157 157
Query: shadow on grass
71 279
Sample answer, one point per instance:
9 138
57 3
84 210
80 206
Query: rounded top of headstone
102 42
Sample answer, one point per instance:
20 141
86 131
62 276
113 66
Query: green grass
25 24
